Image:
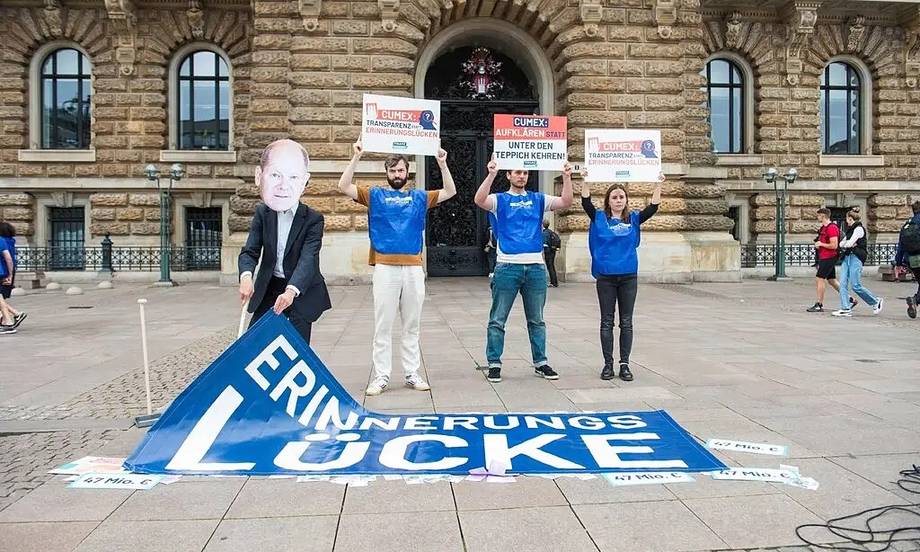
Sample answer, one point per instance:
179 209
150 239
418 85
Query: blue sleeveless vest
518 222
396 220
613 245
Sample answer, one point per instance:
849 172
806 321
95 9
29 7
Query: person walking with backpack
551 245
853 249
826 245
908 254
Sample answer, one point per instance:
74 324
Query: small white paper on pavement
742 446
647 478
141 481
787 475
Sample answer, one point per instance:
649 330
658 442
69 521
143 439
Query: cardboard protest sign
392 124
269 406
531 142
622 155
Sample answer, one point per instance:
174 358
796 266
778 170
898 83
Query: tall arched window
204 102
725 99
840 109
65 100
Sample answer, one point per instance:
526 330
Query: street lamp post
773 177
176 172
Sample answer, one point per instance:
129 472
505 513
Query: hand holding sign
492 166
442 157
567 170
358 148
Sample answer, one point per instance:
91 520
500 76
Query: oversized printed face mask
283 179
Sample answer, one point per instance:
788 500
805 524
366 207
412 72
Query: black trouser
549 255
916 272
610 291
276 287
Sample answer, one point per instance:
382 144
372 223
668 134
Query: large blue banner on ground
269 406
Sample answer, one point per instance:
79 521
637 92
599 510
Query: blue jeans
851 273
510 279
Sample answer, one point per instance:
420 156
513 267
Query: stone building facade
298 69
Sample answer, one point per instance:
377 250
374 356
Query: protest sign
269 406
623 155
531 142
392 124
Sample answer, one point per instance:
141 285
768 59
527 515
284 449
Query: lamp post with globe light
773 177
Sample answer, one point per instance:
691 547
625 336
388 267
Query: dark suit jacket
301 259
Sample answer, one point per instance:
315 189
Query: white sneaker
417 383
879 306
377 386
842 312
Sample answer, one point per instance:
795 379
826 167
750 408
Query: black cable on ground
867 537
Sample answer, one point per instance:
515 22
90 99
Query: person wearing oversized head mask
287 235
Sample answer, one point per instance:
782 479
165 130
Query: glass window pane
822 119
854 121
838 74
204 64
87 67
87 90
184 100
47 113
47 66
853 77
736 75
718 71
838 122
222 67
737 108
719 119
205 113
185 123
224 99
67 62
184 68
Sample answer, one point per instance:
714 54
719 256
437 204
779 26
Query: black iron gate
457 229
203 235
66 245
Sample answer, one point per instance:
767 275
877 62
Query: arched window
65 100
204 102
841 109
726 101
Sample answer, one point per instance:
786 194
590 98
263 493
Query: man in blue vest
517 219
396 218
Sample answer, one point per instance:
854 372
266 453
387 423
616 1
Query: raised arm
449 190
481 199
656 195
346 186
565 200
585 185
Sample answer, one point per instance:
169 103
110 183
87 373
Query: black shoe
607 372
817 307
545 372
625 374
911 307
495 375
17 320
853 303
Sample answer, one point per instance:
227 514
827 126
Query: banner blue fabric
269 406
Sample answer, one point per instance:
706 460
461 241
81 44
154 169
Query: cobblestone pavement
756 363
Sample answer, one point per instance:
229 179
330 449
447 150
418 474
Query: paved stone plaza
733 361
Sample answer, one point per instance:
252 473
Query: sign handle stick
239 332
141 302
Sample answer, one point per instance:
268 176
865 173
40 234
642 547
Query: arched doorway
473 82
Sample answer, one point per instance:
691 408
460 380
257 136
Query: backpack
554 240
910 237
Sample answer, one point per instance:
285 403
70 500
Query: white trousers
397 288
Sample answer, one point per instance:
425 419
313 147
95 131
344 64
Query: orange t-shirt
364 198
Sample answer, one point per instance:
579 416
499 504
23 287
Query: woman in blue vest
613 238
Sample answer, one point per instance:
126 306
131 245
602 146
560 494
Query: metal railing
113 258
755 255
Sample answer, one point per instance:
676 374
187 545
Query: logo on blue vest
398 200
268 405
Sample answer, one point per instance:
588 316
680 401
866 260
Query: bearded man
396 217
